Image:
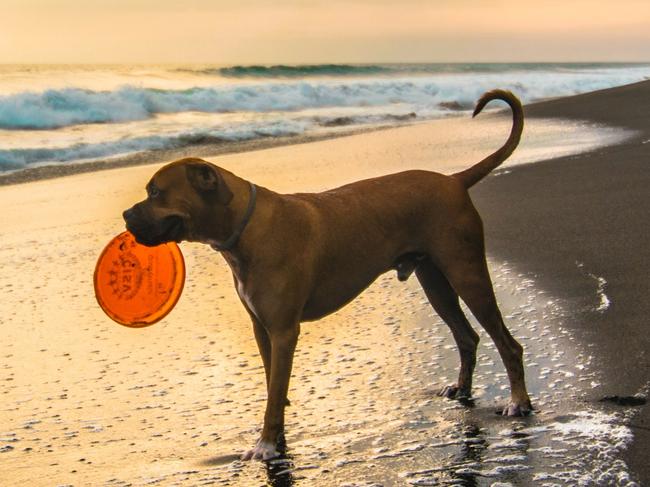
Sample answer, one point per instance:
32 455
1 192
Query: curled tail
469 177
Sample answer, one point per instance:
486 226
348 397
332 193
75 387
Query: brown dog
299 257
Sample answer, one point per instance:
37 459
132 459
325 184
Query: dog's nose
127 214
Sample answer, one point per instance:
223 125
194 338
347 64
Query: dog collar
232 240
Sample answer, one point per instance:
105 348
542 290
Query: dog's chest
246 298
239 274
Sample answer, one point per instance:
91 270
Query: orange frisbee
138 285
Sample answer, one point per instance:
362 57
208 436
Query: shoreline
578 225
53 171
539 109
591 138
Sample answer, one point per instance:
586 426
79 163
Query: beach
87 402
589 222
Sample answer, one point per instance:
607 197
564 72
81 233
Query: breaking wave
166 111
289 71
57 108
348 70
12 159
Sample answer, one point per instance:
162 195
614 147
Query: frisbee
136 285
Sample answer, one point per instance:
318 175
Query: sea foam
425 94
39 126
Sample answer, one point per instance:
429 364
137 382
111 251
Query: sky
322 31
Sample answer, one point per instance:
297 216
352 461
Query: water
68 114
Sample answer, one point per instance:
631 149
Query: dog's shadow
278 471
219 460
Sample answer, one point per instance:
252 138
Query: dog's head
183 199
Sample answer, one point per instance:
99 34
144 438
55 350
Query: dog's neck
238 228
241 211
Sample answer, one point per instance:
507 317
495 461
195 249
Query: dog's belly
330 295
320 306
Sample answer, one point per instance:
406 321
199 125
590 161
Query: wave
20 158
375 119
349 70
13 159
302 71
72 106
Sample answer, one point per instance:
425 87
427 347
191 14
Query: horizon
325 63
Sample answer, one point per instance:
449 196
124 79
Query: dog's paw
517 409
264 450
454 392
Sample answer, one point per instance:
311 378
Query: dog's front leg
283 345
264 347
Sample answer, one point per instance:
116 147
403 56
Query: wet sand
574 221
87 402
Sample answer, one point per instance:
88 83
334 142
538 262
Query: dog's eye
153 192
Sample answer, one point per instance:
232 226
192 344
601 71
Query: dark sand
571 220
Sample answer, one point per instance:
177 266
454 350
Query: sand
87 402
580 227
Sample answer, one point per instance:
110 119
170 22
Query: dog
299 257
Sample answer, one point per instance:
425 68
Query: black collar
232 240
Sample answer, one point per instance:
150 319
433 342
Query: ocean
51 114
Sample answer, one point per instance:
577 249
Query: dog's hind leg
470 278
445 302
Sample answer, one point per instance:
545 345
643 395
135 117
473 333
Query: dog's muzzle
151 232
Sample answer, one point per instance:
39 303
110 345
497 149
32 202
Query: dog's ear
207 179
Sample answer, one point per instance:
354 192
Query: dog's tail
469 177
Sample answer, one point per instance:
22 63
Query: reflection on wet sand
175 404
